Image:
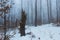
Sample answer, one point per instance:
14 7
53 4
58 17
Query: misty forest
29 19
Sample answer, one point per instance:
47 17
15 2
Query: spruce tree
22 23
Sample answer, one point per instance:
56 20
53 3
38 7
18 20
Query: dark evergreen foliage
22 23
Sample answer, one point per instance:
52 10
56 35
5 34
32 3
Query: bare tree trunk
31 12
28 13
4 25
57 10
50 12
48 9
21 4
35 12
40 12
16 23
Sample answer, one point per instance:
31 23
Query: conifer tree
22 23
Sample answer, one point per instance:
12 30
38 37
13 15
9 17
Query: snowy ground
43 32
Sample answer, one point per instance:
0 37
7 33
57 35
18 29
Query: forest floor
43 32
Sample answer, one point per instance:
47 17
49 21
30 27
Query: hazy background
44 9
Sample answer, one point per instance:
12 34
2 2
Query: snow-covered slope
43 32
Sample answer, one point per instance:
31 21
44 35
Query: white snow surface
43 32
